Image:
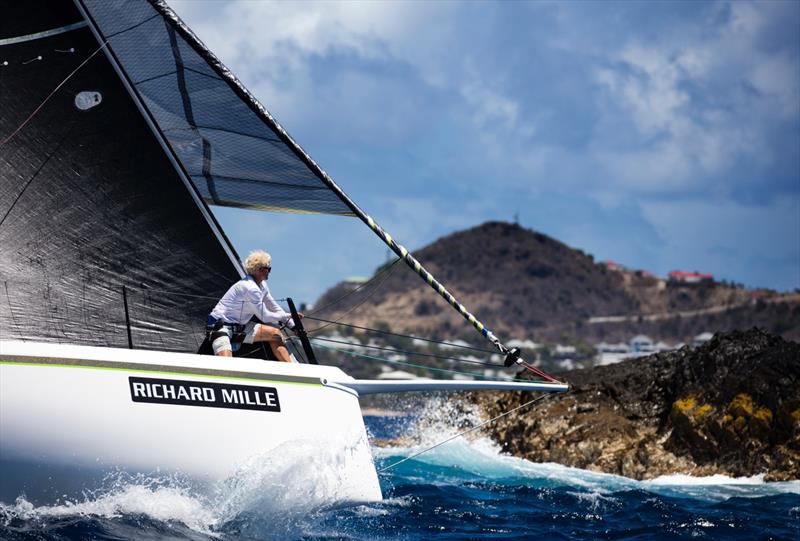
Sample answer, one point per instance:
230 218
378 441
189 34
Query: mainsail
105 183
90 202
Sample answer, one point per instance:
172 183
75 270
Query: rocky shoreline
730 406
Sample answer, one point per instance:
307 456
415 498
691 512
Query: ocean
464 489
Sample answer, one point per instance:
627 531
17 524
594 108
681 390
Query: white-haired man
230 322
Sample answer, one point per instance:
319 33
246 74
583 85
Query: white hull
68 415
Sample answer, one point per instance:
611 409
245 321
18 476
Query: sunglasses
265 268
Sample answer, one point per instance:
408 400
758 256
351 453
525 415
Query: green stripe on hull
14 360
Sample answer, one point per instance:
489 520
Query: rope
356 290
474 428
526 365
403 363
365 299
56 89
458 359
490 352
289 339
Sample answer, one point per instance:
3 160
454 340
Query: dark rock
731 406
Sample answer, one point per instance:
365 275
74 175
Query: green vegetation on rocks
727 407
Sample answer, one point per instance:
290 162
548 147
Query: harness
214 330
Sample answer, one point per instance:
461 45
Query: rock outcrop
731 406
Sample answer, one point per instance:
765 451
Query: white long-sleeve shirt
246 299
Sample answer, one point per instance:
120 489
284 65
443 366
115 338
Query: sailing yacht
118 130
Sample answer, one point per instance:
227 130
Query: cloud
704 98
440 115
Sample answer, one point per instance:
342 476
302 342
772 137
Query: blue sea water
460 490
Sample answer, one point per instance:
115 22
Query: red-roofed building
614 266
685 277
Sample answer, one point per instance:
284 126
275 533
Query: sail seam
272 182
272 141
189 111
137 25
186 68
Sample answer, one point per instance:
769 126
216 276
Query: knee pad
220 341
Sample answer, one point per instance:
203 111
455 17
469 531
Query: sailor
229 323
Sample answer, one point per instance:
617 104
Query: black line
226 130
399 335
270 182
108 37
176 53
39 170
185 68
411 353
189 112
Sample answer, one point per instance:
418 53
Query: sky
661 135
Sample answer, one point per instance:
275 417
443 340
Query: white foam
680 479
482 458
297 477
270 495
161 503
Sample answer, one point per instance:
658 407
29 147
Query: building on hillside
621 347
354 282
641 344
397 374
612 265
702 338
524 345
561 351
497 374
638 346
690 278
454 344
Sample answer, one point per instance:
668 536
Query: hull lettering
207 394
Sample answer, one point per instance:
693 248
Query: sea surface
464 489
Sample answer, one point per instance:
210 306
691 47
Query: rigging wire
445 357
294 346
386 268
474 428
451 344
404 363
357 305
56 89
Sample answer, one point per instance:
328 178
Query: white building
702 338
397 374
641 344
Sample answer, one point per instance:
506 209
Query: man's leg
265 333
221 344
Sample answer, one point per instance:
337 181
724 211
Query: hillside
524 284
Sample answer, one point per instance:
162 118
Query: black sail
233 151
90 202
